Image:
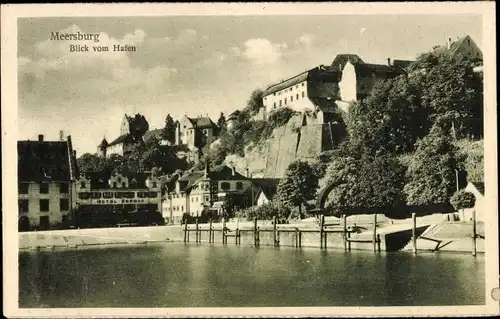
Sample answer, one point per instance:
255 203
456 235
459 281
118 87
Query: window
207 199
23 188
225 186
303 94
239 185
124 185
280 102
274 104
119 179
114 184
82 185
44 188
95 195
107 195
23 205
154 185
63 204
182 208
84 195
303 84
44 205
291 98
196 199
297 86
297 97
285 100
192 199
63 188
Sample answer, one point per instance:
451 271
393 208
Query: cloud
305 40
263 51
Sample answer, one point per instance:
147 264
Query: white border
9 16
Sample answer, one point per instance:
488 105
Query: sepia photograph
249 159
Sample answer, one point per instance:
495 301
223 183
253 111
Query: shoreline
98 237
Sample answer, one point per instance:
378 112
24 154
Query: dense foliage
168 132
298 186
462 200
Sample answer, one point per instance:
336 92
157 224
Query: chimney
449 43
61 136
389 61
40 137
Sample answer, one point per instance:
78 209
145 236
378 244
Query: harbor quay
432 235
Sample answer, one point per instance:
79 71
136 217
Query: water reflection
177 275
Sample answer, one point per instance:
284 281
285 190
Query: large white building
46 183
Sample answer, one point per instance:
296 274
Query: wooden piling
224 231
321 224
474 233
348 241
255 232
186 234
274 231
296 237
210 231
414 232
197 231
378 242
374 232
344 231
258 237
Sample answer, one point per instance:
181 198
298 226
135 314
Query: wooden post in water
198 239
378 242
255 232
296 237
344 231
321 223
186 232
274 231
414 232
348 241
474 234
223 231
374 232
210 231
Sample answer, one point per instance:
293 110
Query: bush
463 199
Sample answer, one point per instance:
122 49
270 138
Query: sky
193 65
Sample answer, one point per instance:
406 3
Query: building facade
464 46
127 192
132 129
199 191
47 172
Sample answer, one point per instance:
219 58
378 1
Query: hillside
301 138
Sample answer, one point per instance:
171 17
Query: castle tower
177 133
101 148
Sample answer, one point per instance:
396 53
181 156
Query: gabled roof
125 138
341 59
103 143
368 69
100 180
479 186
44 161
268 186
402 63
202 122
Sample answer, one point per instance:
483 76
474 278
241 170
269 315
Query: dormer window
83 185
119 179
154 185
124 185
114 185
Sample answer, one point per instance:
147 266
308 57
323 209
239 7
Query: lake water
178 275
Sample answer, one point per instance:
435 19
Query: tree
463 200
367 182
453 91
298 186
169 129
390 120
221 123
255 103
431 175
138 127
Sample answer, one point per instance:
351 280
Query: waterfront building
198 191
126 192
47 172
195 134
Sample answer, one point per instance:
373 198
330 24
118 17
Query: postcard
249 159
